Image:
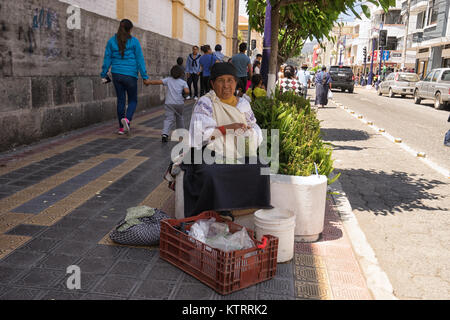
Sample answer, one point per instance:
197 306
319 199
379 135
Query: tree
295 21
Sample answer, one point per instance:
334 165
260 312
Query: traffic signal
383 38
365 52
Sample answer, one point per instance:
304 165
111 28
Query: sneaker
195 98
188 97
125 124
121 131
165 138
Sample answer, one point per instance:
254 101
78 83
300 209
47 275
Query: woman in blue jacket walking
123 54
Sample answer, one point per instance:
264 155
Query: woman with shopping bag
323 88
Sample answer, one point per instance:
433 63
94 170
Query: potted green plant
305 161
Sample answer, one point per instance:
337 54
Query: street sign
375 55
385 55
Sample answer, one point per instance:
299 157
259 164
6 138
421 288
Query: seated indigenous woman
223 172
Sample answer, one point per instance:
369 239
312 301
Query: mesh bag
144 234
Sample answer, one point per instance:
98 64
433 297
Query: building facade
429 33
256 38
52 52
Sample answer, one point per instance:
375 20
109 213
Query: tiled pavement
60 199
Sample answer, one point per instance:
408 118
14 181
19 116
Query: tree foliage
304 19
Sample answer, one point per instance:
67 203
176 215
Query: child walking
174 103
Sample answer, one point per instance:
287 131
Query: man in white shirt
304 77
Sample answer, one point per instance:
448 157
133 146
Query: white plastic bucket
279 223
306 197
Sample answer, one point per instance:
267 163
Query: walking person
304 77
207 60
218 53
174 103
193 72
323 85
257 67
243 67
123 54
288 82
180 63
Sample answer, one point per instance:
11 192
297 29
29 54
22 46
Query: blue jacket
132 62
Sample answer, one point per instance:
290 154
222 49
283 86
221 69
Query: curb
377 280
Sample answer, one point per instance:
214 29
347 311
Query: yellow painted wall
128 9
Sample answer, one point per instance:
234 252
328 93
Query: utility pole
249 38
267 45
405 41
337 44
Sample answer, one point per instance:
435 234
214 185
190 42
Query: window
432 12
420 20
435 76
428 77
222 13
391 43
210 5
445 63
446 75
390 77
408 77
393 17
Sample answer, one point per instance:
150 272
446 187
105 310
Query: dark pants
204 88
125 85
242 83
193 79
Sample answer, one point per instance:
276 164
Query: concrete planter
306 197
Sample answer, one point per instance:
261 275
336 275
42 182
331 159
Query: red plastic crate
225 272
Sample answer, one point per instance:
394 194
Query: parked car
343 78
436 86
402 83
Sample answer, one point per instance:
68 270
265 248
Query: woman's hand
236 126
147 82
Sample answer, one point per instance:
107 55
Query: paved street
401 204
420 126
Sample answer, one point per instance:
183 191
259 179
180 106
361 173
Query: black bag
143 234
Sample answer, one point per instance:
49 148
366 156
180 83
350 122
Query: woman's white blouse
202 120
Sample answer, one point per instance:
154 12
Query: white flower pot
306 197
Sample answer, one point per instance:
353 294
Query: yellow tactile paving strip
54 213
311 277
51 215
9 243
50 151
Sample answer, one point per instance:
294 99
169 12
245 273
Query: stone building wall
50 61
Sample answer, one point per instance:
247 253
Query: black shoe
165 138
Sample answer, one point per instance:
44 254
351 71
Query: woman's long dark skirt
222 187
321 94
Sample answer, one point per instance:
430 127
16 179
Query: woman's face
224 86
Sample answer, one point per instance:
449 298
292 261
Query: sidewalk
60 199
